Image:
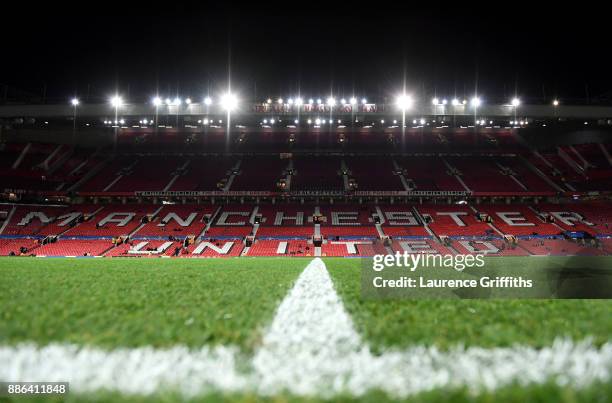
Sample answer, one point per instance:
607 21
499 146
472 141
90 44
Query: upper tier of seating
446 163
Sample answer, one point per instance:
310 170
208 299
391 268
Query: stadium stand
231 222
347 221
178 221
490 186
113 221
428 173
259 173
74 247
401 221
422 245
148 173
455 221
285 221
18 247
373 173
317 173
489 247
202 173
518 220
485 175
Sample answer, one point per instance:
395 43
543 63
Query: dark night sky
318 47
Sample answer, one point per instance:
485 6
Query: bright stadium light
444 102
435 101
353 101
157 101
269 101
556 102
515 102
317 121
476 102
208 101
364 101
229 101
319 102
343 101
177 101
404 102
168 101
455 102
74 101
290 101
280 101
299 101
311 101
188 101
116 101
331 101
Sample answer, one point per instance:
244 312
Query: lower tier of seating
305 248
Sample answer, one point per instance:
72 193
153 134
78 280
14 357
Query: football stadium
223 245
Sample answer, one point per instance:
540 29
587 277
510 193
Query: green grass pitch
195 302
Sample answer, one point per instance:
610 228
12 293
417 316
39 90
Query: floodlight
476 102
74 101
404 102
116 101
229 101
157 101
516 102
207 101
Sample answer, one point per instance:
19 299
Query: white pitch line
311 336
310 349
128 371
